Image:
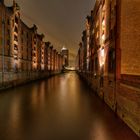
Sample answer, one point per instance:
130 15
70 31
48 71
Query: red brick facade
23 52
112 64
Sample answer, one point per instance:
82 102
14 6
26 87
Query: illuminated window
103 23
103 37
16 20
97 24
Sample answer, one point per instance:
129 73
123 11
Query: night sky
62 21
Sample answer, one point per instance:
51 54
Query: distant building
65 54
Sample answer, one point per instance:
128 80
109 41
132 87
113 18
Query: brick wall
128 105
130 37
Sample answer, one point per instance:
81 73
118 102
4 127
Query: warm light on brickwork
101 57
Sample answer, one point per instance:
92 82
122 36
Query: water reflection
60 108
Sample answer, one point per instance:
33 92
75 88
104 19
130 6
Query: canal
59 108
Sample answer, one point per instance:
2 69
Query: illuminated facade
112 62
25 48
24 55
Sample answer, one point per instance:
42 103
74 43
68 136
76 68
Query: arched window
111 61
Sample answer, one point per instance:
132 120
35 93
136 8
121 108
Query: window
15 47
16 29
95 66
16 20
15 38
13 23
111 58
8 33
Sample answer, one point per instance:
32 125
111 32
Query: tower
65 54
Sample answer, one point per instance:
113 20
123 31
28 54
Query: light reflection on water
60 108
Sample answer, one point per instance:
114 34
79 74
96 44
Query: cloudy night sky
62 21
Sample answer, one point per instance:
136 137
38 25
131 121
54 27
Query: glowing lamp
103 23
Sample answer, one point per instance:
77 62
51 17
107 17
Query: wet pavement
60 108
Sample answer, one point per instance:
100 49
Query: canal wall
122 96
12 79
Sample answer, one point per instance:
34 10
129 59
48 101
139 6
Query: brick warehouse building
109 59
24 55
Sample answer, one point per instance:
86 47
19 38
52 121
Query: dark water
60 108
